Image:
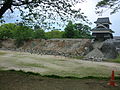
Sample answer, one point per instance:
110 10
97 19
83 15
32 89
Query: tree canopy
21 33
69 30
54 34
77 30
37 11
114 5
15 32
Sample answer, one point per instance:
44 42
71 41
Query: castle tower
102 30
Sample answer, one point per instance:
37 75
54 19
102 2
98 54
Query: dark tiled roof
101 29
103 20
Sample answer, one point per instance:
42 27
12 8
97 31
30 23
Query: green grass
117 60
1 68
31 65
78 57
2 53
57 76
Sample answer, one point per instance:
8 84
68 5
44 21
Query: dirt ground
21 81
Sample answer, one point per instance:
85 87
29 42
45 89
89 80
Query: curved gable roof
103 20
101 26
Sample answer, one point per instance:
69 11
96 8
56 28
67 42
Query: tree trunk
7 5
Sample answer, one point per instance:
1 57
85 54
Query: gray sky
88 7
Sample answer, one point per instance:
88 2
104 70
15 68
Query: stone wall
64 47
96 51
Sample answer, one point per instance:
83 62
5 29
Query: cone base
112 83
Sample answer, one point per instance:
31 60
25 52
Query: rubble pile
95 55
102 50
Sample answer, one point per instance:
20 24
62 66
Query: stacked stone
57 47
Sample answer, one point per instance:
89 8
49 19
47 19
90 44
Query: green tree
114 5
69 30
78 30
14 31
82 31
23 33
6 30
39 34
54 34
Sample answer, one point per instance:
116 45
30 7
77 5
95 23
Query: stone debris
94 55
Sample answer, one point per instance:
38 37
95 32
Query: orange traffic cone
112 80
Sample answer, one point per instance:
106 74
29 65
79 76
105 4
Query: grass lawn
56 65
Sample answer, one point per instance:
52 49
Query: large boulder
109 50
